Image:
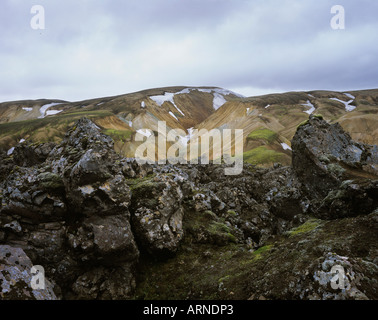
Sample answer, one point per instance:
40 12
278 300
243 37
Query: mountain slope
268 122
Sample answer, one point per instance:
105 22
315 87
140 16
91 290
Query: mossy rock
334 195
308 226
136 183
205 271
209 215
50 181
324 159
260 252
207 227
145 191
221 233
336 169
303 123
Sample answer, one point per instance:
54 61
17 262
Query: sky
98 48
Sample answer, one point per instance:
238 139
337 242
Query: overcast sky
98 48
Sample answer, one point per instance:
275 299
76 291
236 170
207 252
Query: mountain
268 122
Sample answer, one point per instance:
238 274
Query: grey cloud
102 47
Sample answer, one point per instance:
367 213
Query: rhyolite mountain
104 226
268 122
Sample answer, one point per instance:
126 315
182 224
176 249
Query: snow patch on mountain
27 109
144 132
348 106
52 112
167 97
310 105
218 101
172 114
285 146
44 108
350 96
218 94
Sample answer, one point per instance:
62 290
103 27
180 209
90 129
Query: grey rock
157 214
16 277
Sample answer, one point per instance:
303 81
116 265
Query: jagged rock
157 213
105 283
112 235
335 272
29 193
85 213
70 207
324 154
29 154
352 198
16 277
91 171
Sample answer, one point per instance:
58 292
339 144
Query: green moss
231 212
209 215
263 134
336 169
302 124
50 181
118 135
135 183
225 278
308 226
214 228
262 155
319 116
196 272
221 232
260 252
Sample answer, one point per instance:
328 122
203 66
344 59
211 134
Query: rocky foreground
105 227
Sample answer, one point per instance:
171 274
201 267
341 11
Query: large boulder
324 154
157 213
324 158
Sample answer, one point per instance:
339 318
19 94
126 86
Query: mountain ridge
189 108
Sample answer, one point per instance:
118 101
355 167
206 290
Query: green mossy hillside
263 134
262 155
